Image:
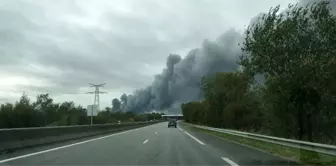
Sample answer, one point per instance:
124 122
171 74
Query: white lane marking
65 146
200 142
145 141
180 128
229 161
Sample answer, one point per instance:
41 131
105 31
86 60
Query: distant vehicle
172 123
119 122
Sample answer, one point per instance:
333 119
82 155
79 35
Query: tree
221 90
43 100
193 112
116 104
212 101
105 117
43 112
44 104
25 115
229 102
108 109
295 50
7 119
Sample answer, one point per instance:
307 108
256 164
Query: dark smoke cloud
180 80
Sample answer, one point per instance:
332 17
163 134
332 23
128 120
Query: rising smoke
179 82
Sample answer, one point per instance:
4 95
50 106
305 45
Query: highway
151 145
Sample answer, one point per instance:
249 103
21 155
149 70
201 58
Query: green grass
301 156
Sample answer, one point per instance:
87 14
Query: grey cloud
70 52
83 55
21 47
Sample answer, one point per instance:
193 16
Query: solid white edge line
180 129
65 146
200 142
229 161
145 141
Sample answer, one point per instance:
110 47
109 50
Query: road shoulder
243 154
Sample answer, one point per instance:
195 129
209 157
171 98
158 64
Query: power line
96 93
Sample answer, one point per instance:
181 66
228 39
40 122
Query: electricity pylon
96 93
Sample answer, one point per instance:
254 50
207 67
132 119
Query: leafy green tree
107 109
7 116
221 90
44 104
229 101
105 117
129 115
141 117
295 50
25 114
43 112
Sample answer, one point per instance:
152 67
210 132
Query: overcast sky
59 46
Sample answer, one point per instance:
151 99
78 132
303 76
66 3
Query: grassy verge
302 156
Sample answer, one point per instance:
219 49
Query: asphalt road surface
152 145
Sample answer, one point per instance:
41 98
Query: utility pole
91 115
96 97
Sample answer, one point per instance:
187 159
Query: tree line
294 54
44 112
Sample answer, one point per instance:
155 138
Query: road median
19 138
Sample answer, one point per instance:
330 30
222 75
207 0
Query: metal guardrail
310 146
